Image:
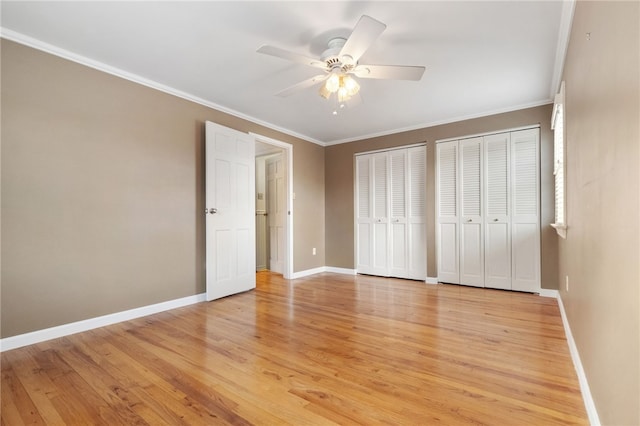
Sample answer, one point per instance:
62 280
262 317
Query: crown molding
564 34
100 66
441 122
565 28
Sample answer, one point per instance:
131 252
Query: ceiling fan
340 62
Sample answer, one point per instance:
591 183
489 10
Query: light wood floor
321 350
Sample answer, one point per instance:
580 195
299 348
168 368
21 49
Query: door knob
213 211
495 220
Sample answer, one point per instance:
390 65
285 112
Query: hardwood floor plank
134 393
36 383
172 381
326 349
226 376
11 396
82 405
176 405
101 383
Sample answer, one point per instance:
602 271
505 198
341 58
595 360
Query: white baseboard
306 273
344 271
545 292
590 406
321 269
38 336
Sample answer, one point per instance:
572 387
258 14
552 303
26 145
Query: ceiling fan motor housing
331 55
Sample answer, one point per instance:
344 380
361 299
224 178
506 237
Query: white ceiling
481 57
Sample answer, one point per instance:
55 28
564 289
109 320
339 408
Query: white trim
495 132
582 378
344 271
395 148
100 66
321 269
559 164
545 292
431 280
564 32
561 229
306 273
288 148
441 122
38 336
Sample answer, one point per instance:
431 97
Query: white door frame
288 160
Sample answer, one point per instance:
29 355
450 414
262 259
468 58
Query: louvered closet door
447 205
525 245
364 215
417 160
390 213
399 264
380 193
471 223
497 237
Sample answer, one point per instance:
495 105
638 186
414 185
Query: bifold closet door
488 210
371 214
471 234
407 230
525 226
497 236
447 205
417 213
398 227
390 213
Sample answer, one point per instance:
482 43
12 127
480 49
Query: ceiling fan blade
391 72
290 56
364 34
302 85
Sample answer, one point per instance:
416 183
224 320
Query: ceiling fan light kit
340 63
343 84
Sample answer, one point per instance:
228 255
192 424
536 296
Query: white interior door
398 260
416 212
390 193
471 245
372 214
447 202
497 242
364 216
380 194
262 251
525 245
276 209
230 210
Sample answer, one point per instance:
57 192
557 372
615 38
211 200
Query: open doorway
274 195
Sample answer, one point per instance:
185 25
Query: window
557 124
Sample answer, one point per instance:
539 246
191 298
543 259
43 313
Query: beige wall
102 193
601 252
339 162
102 185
